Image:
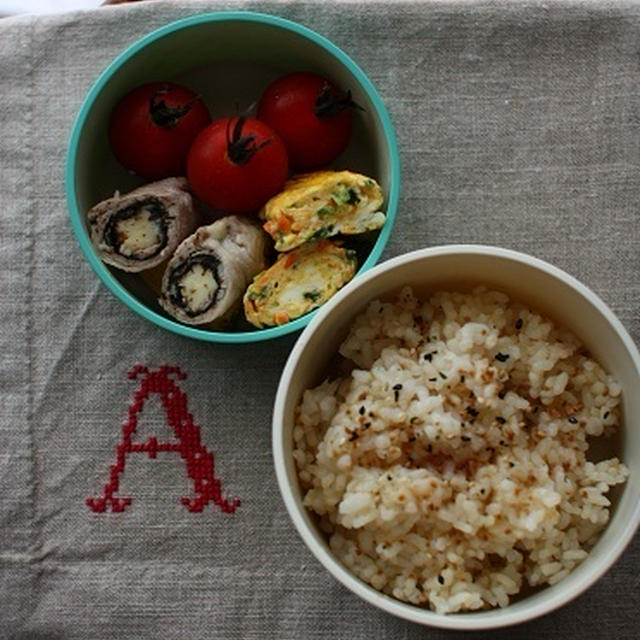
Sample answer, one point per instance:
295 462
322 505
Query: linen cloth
518 125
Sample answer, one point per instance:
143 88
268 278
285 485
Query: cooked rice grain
449 468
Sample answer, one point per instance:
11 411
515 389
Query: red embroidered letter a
199 460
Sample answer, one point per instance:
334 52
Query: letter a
199 460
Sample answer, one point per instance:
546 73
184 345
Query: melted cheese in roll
139 230
206 277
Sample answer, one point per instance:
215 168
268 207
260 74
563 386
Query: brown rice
449 468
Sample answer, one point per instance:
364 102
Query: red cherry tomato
311 115
152 127
237 164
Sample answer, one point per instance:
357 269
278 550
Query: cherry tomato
152 127
236 164
311 115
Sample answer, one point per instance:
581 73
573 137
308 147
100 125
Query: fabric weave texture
518 126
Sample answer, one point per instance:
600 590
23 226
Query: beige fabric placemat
519 126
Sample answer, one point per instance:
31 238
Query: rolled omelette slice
210 270
322 204
139 230
298 282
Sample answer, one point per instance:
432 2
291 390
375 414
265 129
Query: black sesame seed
502 443
440 579
461 378
465 438
429 448
428 357
361 410
512 464
389 477
519 324
432 379
606 415
502 394
482 490
502 357
397 387
442 375
573 420
367 425
500 419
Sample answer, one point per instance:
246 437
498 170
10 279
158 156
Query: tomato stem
330 102
240 149
164 116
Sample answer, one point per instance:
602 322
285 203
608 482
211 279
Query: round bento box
228 58
461 268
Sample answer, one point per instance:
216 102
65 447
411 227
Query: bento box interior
229 64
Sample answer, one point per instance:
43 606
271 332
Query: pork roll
139 230
322 204
209 272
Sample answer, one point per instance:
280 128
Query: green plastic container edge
77 216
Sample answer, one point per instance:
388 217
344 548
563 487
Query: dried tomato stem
164 116
240 149
330 102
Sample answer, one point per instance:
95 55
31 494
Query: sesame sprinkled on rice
449 469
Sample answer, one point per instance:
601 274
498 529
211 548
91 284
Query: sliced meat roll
322 204
210 270
298 282
141 229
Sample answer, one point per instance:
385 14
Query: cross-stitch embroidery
199 461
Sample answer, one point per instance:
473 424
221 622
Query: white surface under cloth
518 125
8 7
